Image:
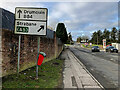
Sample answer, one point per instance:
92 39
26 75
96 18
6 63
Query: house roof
7 19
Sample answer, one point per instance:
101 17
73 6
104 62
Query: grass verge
50 76
89 47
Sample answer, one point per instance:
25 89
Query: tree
94 38
111 37
99 37
79 39
69 38
113 34
61 32
85 37
119 36
106 35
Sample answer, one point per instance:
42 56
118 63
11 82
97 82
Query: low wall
28 50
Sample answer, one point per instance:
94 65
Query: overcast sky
80 18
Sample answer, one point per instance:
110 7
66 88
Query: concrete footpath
76 76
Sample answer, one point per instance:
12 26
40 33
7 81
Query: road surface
102 65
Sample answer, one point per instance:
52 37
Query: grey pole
97 39
19 53
37 57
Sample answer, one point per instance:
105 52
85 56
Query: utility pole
97 39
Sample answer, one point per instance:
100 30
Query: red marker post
40 59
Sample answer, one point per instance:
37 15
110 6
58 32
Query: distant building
116 45
84 41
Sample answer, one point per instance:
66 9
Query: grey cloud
90 16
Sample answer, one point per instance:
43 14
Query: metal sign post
19 54
37 57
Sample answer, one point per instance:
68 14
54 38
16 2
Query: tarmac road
102 65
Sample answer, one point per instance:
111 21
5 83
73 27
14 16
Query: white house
116 45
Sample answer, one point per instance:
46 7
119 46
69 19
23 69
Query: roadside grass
49 76
67 44
96 45
89 47
100 46
84 46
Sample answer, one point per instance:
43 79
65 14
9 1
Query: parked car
111 49
95 49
